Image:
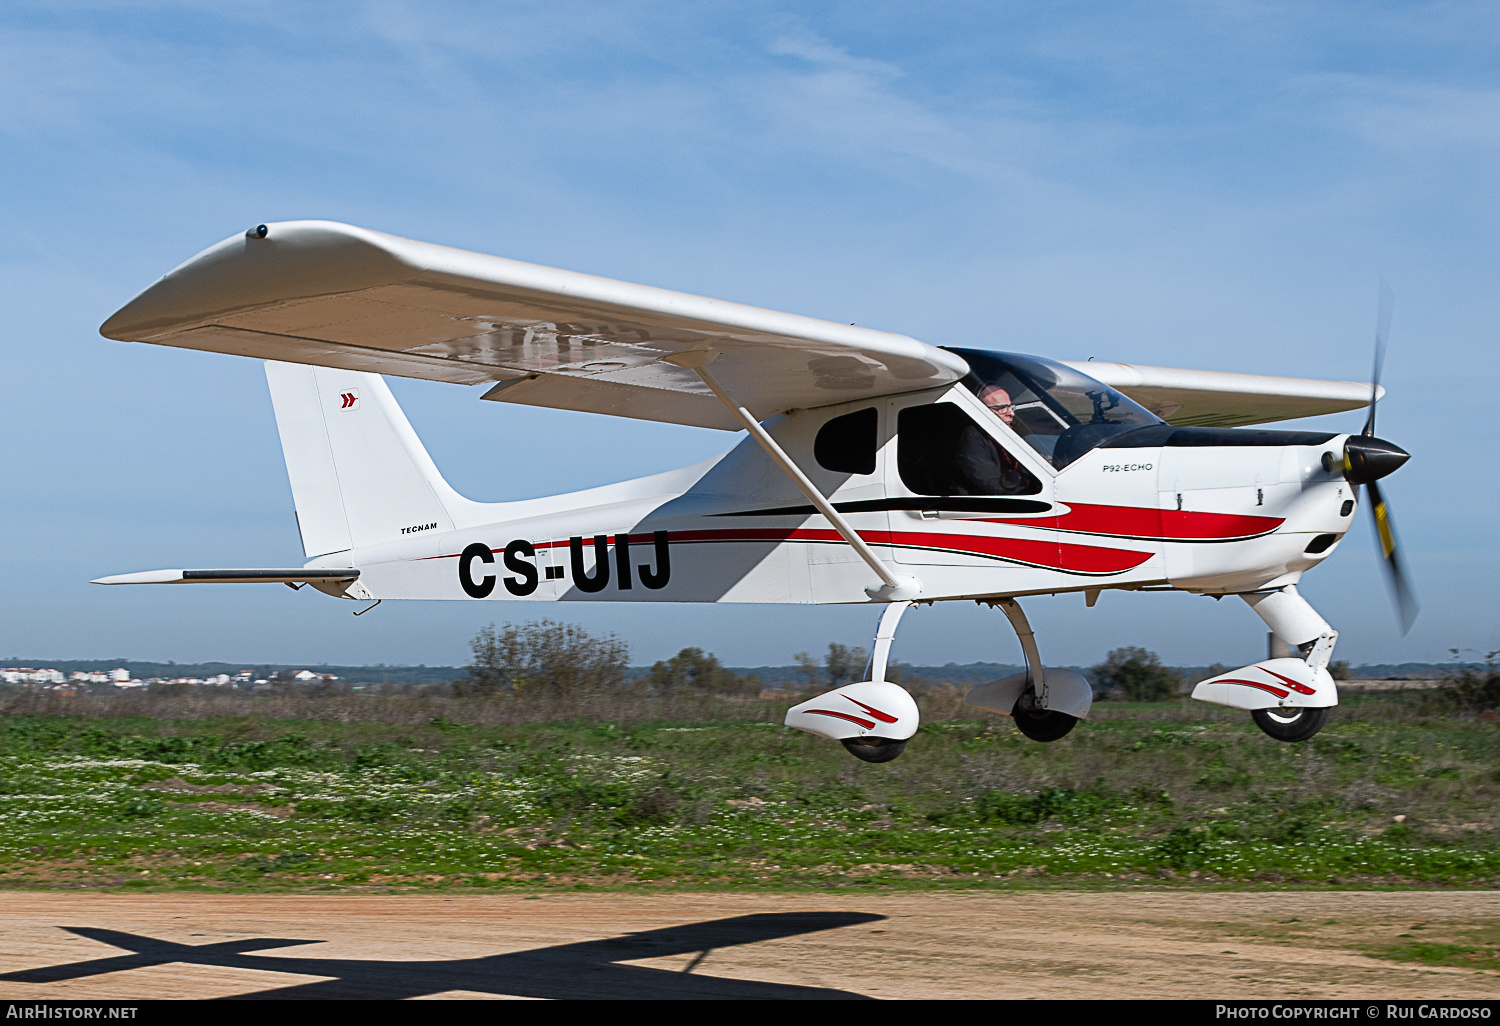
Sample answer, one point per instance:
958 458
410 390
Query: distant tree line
553 659
548 659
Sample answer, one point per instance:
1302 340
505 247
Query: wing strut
894 587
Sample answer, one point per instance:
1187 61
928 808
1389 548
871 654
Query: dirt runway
1146 944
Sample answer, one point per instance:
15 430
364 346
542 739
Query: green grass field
1171 793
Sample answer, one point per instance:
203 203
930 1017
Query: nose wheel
1290 724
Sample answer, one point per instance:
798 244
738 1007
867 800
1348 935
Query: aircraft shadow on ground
588 969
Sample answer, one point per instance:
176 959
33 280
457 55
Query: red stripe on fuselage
1050 555
1084 559
1145 522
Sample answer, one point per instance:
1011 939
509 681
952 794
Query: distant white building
48 676
30 675
121 677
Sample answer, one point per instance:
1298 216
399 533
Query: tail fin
359 474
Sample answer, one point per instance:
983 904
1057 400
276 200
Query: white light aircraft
875 469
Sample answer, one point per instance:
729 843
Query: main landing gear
1045 702
873 719
874 749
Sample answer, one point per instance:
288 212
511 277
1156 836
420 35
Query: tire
1290 724
1040 724
874 749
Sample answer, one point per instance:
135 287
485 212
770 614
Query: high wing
1202 398
334 295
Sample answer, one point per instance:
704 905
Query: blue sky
1212 184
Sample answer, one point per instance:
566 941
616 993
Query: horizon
107 664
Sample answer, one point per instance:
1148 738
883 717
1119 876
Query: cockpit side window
847 444
941 450
1060 412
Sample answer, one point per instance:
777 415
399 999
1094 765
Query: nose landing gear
1289 694
1290 724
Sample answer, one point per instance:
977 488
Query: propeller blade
1382 335
1385 534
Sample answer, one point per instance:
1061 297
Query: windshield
1060 412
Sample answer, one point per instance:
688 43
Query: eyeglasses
1002 407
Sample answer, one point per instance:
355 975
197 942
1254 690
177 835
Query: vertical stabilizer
359 474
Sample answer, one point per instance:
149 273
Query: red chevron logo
867 724
882 717
349 400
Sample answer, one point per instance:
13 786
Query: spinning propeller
1367 459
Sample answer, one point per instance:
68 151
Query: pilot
984 465
998 401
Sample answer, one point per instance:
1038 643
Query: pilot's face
998 400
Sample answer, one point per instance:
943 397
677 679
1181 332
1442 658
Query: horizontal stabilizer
289 576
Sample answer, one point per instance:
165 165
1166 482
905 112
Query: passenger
984 465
